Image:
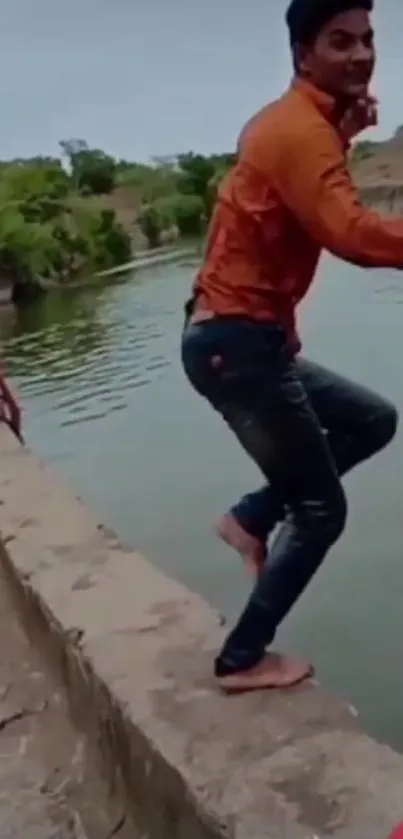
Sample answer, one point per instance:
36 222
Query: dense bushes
53 225
49 232
183 213
92 171
182 196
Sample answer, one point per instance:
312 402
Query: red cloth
10 411
398 833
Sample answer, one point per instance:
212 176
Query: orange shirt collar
325 103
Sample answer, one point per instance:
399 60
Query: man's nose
362 53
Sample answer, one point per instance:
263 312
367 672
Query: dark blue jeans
304 426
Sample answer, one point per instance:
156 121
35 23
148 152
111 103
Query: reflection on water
106 401
88 351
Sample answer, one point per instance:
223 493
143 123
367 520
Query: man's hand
363 114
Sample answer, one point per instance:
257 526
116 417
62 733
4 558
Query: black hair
305 18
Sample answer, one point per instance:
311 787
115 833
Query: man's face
342 58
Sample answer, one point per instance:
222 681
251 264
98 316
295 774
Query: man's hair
305 18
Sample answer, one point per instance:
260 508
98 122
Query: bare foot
273 671
252 551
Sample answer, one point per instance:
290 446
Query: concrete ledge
135 649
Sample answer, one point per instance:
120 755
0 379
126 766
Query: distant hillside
377 164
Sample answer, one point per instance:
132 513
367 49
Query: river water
105 400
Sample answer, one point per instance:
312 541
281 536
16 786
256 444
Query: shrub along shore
60 218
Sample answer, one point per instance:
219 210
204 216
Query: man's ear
300 58
295 58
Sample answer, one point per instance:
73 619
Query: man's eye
341 43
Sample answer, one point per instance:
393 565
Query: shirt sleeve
312 179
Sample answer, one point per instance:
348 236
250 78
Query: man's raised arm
312 179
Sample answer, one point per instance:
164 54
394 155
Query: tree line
53 226
176 192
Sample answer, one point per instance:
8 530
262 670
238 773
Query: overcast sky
153 77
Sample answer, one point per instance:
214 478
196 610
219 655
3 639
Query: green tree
34 186
49 232
92 170
95 237
27 253
151 224
196 173
200 175
186 212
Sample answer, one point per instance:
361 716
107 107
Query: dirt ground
47 790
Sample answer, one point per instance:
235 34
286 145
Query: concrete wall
135 649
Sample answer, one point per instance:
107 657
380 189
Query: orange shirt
289 195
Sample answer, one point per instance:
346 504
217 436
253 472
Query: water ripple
91 360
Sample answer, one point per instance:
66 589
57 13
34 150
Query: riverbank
144 259
134 650
150 259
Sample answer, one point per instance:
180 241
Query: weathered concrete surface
135 649
32 800
48 788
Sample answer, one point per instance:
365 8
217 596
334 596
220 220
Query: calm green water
106 401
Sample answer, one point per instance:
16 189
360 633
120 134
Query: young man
289 196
